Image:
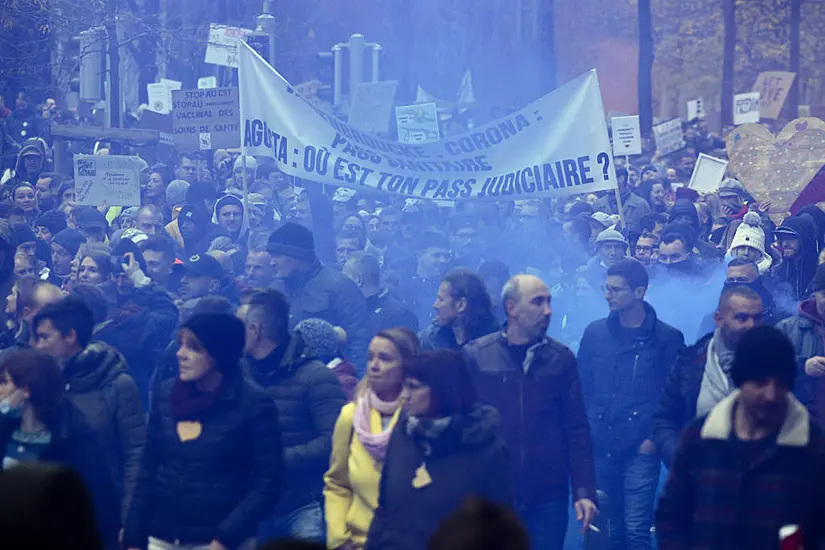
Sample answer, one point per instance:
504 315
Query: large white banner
556 145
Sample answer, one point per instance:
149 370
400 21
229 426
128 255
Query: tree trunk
645 67
792 103
728 56
547 42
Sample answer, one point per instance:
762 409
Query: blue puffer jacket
622 379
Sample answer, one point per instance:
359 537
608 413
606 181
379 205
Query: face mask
681 268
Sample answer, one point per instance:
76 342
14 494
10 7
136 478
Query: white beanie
750 234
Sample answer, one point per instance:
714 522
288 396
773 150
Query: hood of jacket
31 144
244 216
807 310
94 367
684 207
804 229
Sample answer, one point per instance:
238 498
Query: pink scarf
375 444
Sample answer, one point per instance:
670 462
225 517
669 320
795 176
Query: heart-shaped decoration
800 126
189 431
777 169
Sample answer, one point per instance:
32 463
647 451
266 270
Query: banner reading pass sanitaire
556 145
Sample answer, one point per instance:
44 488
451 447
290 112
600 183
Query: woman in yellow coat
359 443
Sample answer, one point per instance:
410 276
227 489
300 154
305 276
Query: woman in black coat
37 423
213 462
443 450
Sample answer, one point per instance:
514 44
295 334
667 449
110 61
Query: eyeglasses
612 290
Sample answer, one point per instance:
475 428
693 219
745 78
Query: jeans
546 523
630 484
305 523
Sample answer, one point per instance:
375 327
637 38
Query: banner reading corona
556 145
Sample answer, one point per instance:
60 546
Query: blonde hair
406 344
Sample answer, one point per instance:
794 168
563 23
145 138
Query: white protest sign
107 179
707 173
207 82
746 108
371 108
557 145
417 123
627 137
171 84
695 108
669 136
160 98
222 45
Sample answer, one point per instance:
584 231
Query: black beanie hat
53 220
292 240
70 239
222 335
762 353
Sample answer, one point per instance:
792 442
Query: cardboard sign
371 108
746 108
207 82
107 179
773 88
206 119
707 173
160 98
695 108
417 123
669 136
627 137
222 45
171 84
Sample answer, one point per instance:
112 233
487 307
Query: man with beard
806 331
258 271
744 272
465 242
534 383
700 377
754 467
202 277
797 241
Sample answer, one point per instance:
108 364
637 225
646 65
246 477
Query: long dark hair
38 373
446 373
469 286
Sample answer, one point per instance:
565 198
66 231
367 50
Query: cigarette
594 528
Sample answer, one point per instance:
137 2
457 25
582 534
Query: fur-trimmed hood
795 430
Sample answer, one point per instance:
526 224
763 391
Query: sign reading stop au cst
206 119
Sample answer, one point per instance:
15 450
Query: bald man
29 302
533 381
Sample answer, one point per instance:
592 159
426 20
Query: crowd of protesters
225 367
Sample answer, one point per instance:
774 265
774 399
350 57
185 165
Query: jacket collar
648 325
795 431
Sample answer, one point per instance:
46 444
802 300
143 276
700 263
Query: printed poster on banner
773 88
556 145
206 119
159 98
695 109
669 136
707 173
222 45
746 108
107 179
627 137
417 123
371 108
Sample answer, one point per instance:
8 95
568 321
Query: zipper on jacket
635 367
521 423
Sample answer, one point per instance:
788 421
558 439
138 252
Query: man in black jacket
317 291
98 383
623 363
700 377
534 383
383 310
309 398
